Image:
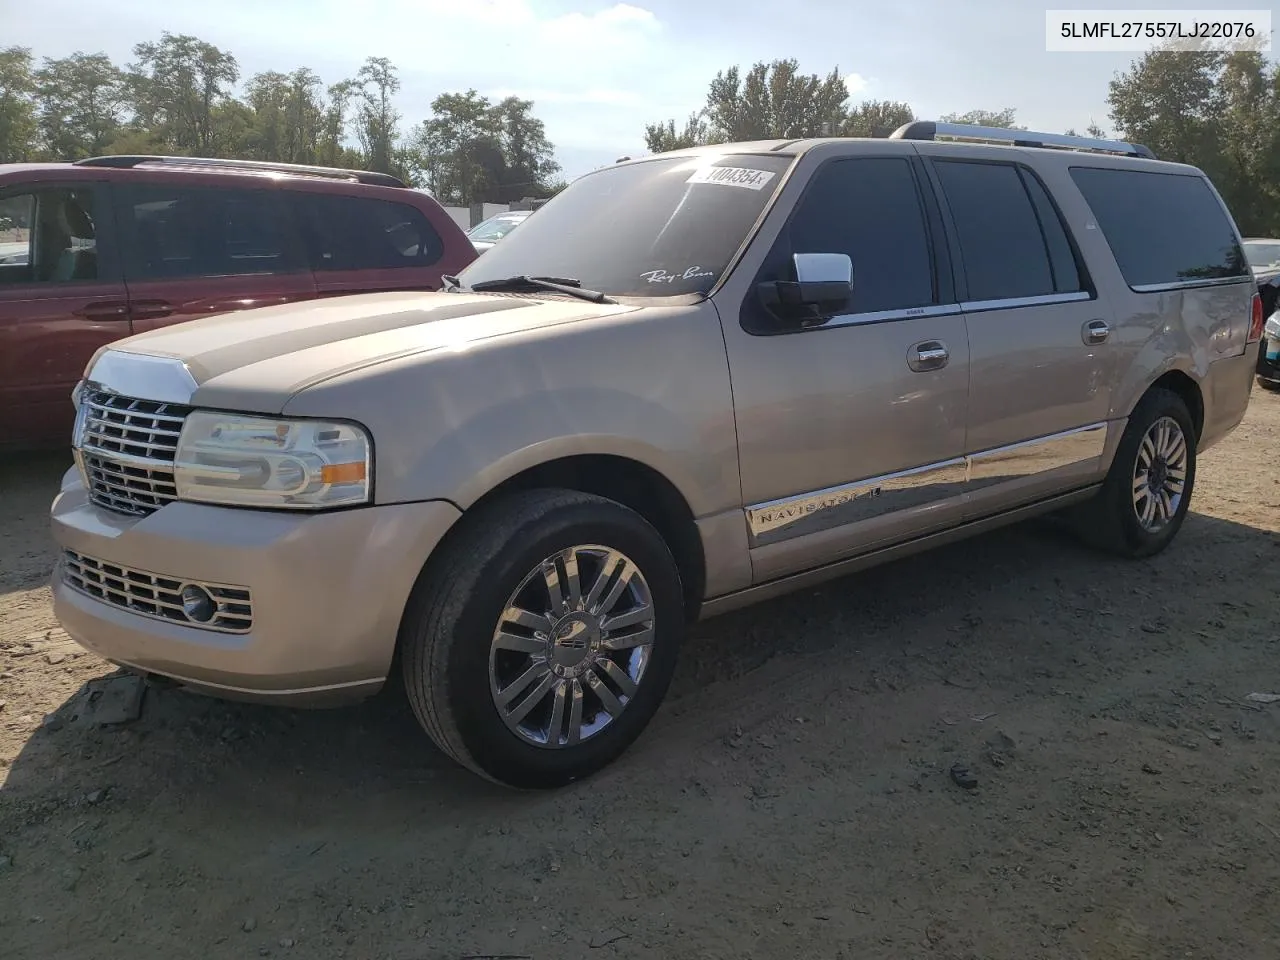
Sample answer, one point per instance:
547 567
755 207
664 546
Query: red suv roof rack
297 169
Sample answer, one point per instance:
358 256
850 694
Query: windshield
653 229
495 228
1263 254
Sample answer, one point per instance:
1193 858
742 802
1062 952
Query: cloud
855 83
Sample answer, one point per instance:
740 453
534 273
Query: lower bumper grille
229 609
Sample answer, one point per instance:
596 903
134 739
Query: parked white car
488 232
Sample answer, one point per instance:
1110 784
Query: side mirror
821 289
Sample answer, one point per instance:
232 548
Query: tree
81 102
267 94
472 150
1218 111
376 118
877 118
661 137
304 115
1004 119
333 125
1170 102
17 109
177 84
774 101
528 156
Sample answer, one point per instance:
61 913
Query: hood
257 359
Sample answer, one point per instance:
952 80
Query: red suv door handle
104 310
150 309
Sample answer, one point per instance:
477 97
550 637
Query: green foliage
182 96
1003 119
473 150
1220 112
17 106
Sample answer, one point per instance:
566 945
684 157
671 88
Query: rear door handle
150 309
929 355
104 310
1096 331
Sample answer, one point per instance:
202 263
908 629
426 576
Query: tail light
1256 321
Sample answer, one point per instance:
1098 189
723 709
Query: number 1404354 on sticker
732 177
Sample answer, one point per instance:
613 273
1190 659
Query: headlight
1271 329
248 461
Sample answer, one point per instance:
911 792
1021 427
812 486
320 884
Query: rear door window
177 232
1163 228
1012 240
362 233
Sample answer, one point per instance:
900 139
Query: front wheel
1147 492
540 643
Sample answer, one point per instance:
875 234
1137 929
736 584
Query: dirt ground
791 800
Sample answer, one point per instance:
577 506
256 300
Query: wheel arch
1181 383
622 479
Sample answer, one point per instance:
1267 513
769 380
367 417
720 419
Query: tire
1272 385
1114 520
456 670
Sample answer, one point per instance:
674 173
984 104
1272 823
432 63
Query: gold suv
690 382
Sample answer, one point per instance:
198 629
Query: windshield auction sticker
732 177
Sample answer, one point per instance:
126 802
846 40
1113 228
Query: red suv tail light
1256 321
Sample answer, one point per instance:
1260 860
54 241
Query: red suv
103 248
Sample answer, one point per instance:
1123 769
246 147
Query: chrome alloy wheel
571 647
1160 474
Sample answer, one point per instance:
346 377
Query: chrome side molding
788 517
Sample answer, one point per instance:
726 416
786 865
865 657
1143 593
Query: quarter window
1164 228
359 233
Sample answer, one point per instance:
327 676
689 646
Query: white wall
461 216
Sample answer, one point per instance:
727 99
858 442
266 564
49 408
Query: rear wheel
1147 492
540 644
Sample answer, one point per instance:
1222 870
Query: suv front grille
155 596
126 450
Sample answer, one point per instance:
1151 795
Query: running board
809 578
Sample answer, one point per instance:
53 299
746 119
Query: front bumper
1269 359
327 592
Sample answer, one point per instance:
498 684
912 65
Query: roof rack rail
368 177
929 130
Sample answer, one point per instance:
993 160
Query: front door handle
150 309
929 355
104 310
1096 331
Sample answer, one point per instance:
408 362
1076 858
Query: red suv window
173 232
360 233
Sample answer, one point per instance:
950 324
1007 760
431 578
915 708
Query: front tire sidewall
496 749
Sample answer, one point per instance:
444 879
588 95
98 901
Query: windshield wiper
567 285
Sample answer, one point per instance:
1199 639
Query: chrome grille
126 450
156 596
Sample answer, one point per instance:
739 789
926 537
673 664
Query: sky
599 70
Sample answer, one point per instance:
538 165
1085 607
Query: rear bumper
326 592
